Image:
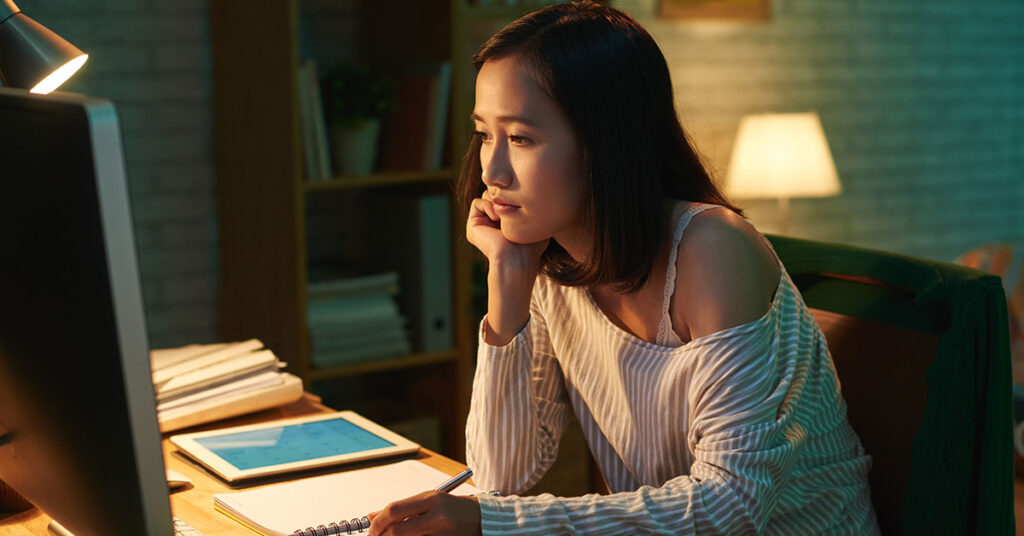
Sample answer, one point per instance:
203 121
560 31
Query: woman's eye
519 140
481 135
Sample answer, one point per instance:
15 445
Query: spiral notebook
332 504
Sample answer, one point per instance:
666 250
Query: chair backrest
921 349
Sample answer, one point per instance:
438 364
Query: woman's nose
496 171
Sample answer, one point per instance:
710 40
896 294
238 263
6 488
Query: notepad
341 499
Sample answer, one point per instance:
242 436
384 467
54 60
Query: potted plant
355 101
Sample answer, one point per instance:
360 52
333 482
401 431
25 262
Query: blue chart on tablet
292 443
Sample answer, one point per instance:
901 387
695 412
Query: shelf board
380 179
354 369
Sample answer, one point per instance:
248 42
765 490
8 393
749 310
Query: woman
624 287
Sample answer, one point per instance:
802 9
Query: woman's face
530 156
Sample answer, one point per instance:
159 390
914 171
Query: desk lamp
781 156
31 56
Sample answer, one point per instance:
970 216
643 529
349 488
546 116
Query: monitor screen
78 430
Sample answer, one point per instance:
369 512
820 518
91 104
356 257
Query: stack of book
355 319
200 383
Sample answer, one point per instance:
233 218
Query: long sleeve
754 412
518 410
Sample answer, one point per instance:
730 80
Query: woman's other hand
430 512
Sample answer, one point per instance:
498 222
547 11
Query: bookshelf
270 215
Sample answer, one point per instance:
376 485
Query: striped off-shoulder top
740 431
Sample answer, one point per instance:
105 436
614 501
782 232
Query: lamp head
31 56
781 156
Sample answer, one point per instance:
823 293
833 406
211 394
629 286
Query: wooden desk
194 504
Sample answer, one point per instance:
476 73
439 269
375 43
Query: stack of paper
196 384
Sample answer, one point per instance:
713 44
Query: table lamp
781 156
31 56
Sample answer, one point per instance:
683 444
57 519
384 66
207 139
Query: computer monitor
78 429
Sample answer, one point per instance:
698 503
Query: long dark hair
610 78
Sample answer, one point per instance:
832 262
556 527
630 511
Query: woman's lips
503 207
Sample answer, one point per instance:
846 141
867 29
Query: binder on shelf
309 157
315 148
438 117
433 330
319 126
424 265
414 132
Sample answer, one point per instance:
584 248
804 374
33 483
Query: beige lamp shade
781 156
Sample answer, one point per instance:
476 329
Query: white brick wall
922 103
152 58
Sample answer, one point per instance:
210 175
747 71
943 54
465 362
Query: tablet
277 447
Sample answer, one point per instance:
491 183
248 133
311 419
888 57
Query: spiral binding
342 527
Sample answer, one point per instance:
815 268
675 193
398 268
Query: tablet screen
292 443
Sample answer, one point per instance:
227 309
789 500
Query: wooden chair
922 353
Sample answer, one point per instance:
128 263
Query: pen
454 481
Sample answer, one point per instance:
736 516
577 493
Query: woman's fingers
430 512
429 523
481 228
485 206
400 510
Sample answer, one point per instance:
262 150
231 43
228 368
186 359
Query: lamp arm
8 9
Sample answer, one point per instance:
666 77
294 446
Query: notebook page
284 508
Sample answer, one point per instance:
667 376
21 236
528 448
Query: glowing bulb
60 75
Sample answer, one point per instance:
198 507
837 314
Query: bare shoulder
726 275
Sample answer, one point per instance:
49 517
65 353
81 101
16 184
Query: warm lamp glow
59 76
781 156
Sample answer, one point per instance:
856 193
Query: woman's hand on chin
511 272
483 230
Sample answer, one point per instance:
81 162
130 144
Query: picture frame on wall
715 9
